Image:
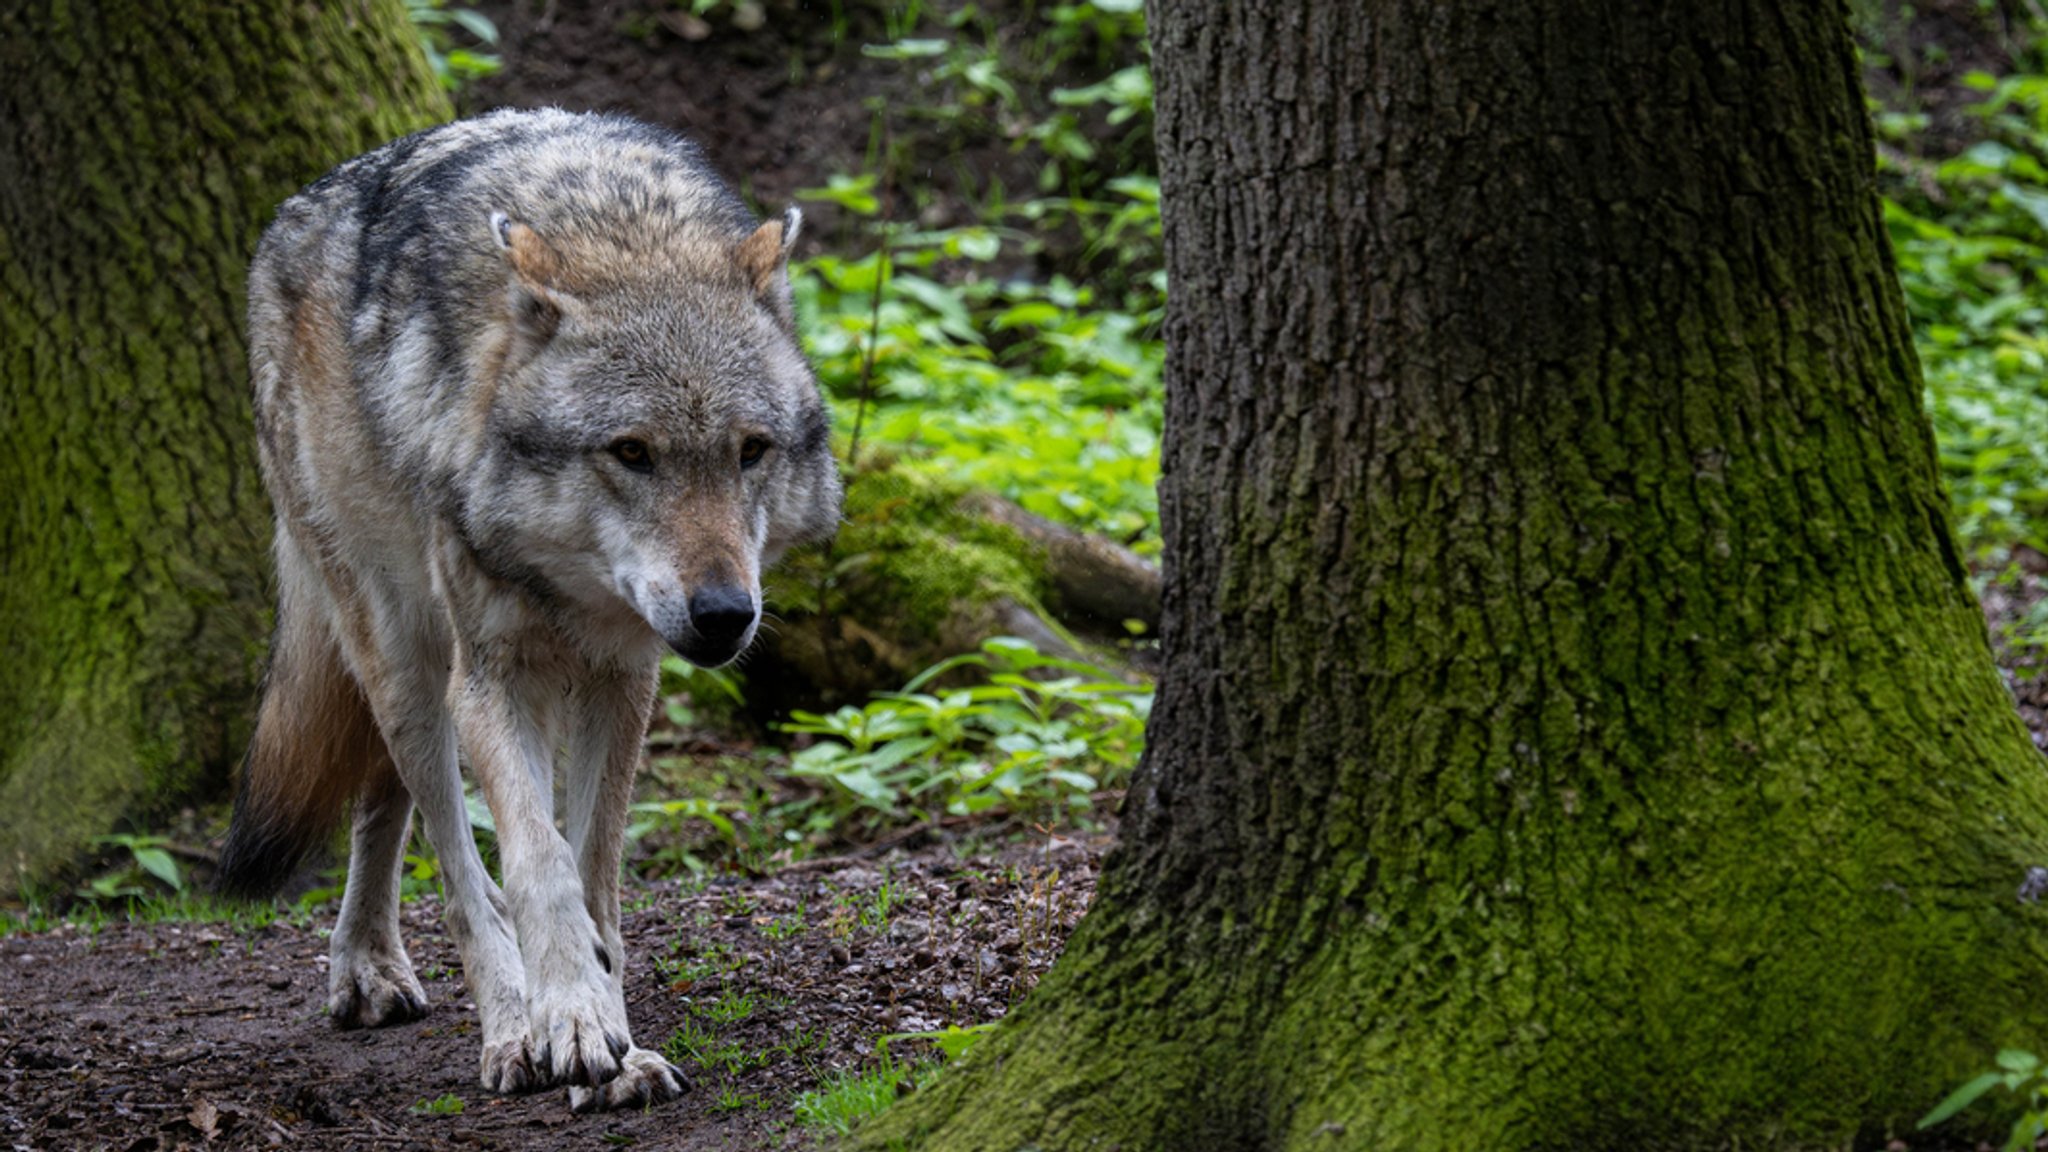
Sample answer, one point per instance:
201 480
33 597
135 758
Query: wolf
531 408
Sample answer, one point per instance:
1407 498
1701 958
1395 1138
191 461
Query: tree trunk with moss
142 149
1575 729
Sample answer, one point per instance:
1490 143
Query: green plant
681 968
192 907
846 1097
453 65
688 1042
854 911
1074 28
695 1044
27 921
952 1041
784 927
147 859
730 1008
731 1099
1041 393
802 1040
673 852
1045 392
856 194
693 695
1039 731
1971 238
2020 1074
445 1105
875 911
979 80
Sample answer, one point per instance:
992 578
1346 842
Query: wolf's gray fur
530 405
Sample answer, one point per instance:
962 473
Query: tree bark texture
1575 728
142 149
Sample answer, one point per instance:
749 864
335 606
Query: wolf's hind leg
370 979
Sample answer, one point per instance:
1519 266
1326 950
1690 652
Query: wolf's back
397 249
413 215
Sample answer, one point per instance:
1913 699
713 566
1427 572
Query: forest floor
172 1035
212 1034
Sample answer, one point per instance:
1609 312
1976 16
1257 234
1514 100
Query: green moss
142 149
910 556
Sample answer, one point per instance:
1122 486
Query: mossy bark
1575 730
142 148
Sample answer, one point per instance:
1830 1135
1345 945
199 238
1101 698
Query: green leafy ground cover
1966 204
1971 232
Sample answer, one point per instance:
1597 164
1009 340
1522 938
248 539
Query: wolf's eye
633 454
752 449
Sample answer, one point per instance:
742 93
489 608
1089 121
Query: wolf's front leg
475 913
577 1026
611 708
403 671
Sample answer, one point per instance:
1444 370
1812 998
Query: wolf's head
657 434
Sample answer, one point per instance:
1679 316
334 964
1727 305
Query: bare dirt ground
204 1036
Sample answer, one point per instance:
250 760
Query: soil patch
201 1036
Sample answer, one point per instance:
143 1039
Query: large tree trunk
1575 729
142 148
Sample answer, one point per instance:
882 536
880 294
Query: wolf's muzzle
721 621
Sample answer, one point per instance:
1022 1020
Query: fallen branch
1094 578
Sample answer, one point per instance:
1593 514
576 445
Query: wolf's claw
644 1079
370 991
579 1052
507 1070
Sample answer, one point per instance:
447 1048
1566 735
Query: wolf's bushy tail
316 743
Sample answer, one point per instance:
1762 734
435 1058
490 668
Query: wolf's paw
578 1036
365 990
508 1068
644 1080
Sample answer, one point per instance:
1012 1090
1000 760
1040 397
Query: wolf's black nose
721 614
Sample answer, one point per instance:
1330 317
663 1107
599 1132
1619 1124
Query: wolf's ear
535 297
764 260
